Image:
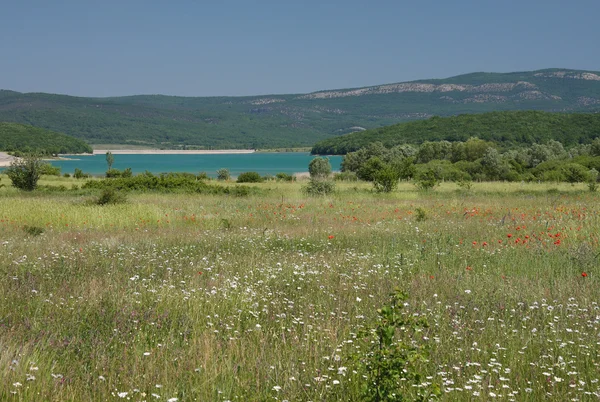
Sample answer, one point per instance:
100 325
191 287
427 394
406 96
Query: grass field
215 298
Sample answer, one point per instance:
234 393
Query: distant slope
520 127
24 138
297 120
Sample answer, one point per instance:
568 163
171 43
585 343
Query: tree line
473 160
21 139
505 129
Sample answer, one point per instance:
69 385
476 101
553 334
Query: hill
24 138
297 119
520 127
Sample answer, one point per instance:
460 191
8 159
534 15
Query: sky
238 48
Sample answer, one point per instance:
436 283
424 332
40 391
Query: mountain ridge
286 120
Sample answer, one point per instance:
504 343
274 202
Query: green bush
426 180
78 174
25 172
33 230
113 173
110 196
318 187
387 357
49 170
167 183
345 176
223 174
284 177
249 177
386 180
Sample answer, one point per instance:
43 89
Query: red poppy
509 235
330 237
584 274
484 243
469 268
474 243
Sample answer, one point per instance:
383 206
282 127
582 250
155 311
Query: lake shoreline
6 159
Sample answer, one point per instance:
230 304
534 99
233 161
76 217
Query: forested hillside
21 138
297 119
508 128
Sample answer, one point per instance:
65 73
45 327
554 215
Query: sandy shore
172 151
5 159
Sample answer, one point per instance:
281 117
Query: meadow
179 297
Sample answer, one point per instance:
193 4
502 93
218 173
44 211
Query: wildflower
467 291
172 400
509 235
277 388
584 274
122 394
330 237
484 243
469 268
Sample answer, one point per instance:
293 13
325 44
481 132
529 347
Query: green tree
110 159
223 174
319 168
25 172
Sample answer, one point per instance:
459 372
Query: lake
263 163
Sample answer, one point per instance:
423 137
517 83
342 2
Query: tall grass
203 297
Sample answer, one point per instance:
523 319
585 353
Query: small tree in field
319 168
223 174
25 172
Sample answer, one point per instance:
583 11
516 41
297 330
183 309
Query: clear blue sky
227 47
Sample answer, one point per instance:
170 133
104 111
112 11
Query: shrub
575 173
111 196
25 172
345 176
284 177
386 180
387 365
66 175
78 174
318 187
223 174
426 180
203 176
112 173
420 214
33 230
167 183
465 185
49 170
249 177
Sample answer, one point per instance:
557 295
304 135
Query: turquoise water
263 163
